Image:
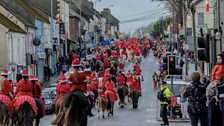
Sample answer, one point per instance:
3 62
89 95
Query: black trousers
196 117
163 113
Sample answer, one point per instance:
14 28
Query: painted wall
208 17
40 49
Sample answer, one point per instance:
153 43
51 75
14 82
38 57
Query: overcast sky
144 11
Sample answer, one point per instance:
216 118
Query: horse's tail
26 109
3 114
72 111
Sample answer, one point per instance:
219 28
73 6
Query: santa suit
62 89
81 85
37 93
110 91
120 79
135 85
7 90
24 88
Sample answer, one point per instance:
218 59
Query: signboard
189 31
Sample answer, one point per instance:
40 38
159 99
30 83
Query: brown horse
134 97
122 91
59 114
4 116
101 106
25 115
76 109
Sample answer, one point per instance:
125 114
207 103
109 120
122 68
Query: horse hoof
103 117
98 117
122 106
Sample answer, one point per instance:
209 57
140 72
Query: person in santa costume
78 83
135 84
37 93
110 89
138 71
62 89
6 87
24 86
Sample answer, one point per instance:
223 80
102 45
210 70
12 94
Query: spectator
196 101
181 63
183 104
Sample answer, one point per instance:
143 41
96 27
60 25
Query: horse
76 109
25 115
39 111
101 106
58 111
4 116
134 94
122 91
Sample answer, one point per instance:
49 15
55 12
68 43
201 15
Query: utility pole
194 36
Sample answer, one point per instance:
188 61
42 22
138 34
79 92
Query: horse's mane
72 113
1 83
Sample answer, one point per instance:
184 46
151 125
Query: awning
10 25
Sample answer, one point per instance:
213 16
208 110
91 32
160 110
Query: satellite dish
36 41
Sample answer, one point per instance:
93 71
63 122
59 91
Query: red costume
62 87
218 73
24 87
37 91
7 90
120 79
80 83
110 91
135 85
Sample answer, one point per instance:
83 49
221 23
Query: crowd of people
201 100
90 77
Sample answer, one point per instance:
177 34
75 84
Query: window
200 18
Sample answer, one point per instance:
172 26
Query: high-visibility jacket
166 92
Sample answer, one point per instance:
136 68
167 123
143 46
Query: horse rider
135 84
37 93
24 86
7 88
121 79
138 71
110 87
78 83
62 89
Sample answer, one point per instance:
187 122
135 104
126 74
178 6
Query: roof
196 2
10 25
30 10
18 12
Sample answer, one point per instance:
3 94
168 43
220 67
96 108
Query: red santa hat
5 72
33 78
63 79
24 73
75 62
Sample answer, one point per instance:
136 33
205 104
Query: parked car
48 101
177 84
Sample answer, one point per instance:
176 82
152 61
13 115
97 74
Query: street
145 115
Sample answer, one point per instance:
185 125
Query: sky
144 11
